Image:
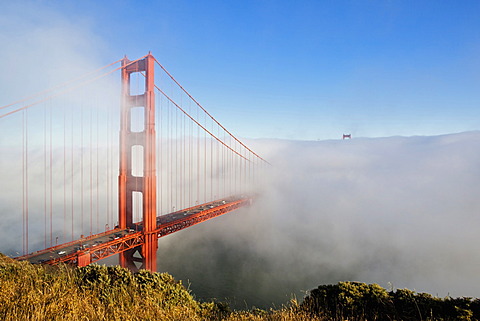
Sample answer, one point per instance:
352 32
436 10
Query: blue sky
303 70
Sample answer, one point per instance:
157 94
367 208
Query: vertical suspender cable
184 167
250 185
97 181
45 175
91 173
172 159
217 165
161 153
180 204
26 180
23 184
64 176
225 167
51 177
232 169
198 163
245 172
236 168
230 166
190 160
237 171
205 163
108 169
178 156
177 186
244 178
81 168
168 159
211 166
72 181
242 172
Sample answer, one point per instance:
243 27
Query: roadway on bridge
90 243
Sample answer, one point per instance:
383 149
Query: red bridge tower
145 184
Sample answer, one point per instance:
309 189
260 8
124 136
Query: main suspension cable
59 86
206 112
68 89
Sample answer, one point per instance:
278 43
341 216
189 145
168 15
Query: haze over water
398 211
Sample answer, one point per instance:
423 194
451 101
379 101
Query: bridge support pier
128 259
149 250
83 259
127 182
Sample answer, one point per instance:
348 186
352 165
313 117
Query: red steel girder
180 224
58 247
103 250
134 239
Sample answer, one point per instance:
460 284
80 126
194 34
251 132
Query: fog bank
398 211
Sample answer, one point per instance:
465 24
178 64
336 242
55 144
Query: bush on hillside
360 301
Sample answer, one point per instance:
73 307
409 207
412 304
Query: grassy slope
36 292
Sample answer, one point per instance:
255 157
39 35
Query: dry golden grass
36 292
289 313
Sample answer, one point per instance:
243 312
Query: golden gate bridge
97 167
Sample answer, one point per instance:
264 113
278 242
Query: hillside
36 292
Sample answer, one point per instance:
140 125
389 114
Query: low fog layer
400 212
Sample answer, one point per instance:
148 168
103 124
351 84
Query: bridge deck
99 246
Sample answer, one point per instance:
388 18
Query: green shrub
360 301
